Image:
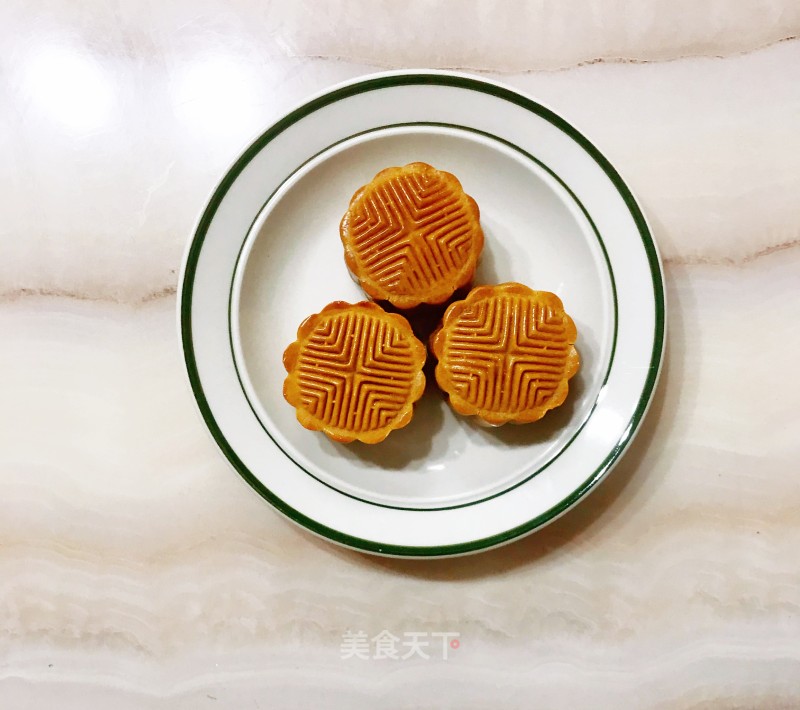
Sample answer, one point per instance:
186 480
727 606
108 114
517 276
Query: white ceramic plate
266 254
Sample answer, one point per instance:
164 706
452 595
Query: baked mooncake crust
506 353
412 235
354 372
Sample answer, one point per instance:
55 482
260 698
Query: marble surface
137 571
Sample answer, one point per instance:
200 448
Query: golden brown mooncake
412 236
506 353
355 372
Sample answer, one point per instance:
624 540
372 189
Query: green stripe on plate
373 84
528 156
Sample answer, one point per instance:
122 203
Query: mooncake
354 372
412 236
506 353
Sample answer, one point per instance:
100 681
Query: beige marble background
137 571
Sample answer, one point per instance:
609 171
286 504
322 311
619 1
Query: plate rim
364 84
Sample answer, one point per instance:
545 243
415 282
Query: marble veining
522 36
138 571
649 119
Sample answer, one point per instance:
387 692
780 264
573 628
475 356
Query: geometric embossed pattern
356 371
508 354
412 232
